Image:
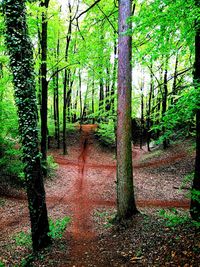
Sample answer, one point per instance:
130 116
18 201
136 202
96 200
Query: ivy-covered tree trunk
126 205
195 196
21 62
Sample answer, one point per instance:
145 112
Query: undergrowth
56 227
106 133
174 217
11 166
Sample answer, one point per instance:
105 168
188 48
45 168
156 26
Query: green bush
11 166
58 227
173 218
51 165
179 120
23 239
176 217
106 133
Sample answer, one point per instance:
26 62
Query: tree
44 83
21 63
195 199
126 206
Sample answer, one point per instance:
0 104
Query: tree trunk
39 96
114 78
142 116
93 119
44 108
85 107
66 79
164 102
21 62
64 111
75 106
69 94
174 90
195 193
80 97
101 93
107 102
57 122
54 107
126 205
149 110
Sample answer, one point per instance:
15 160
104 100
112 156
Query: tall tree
66 81
126 205
195 196
44 82
142 113
56 93
21 62
149 108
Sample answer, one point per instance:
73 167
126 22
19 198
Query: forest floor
84 188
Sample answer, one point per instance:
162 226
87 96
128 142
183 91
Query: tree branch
115 31
90 7
57 71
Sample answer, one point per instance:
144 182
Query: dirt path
85 187
93 187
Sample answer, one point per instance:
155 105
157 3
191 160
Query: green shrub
179 120
58 227
173 217
106 133
11 166
51 165
23 239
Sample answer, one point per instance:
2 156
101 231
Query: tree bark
93 119
101 93
21 62
142 115
164 101
57 119
126 205
107 92
149 110
66 78
195 193
112 102
80 97
75 106
174 90
85 104
44 83
64 110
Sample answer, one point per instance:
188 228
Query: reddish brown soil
85 183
